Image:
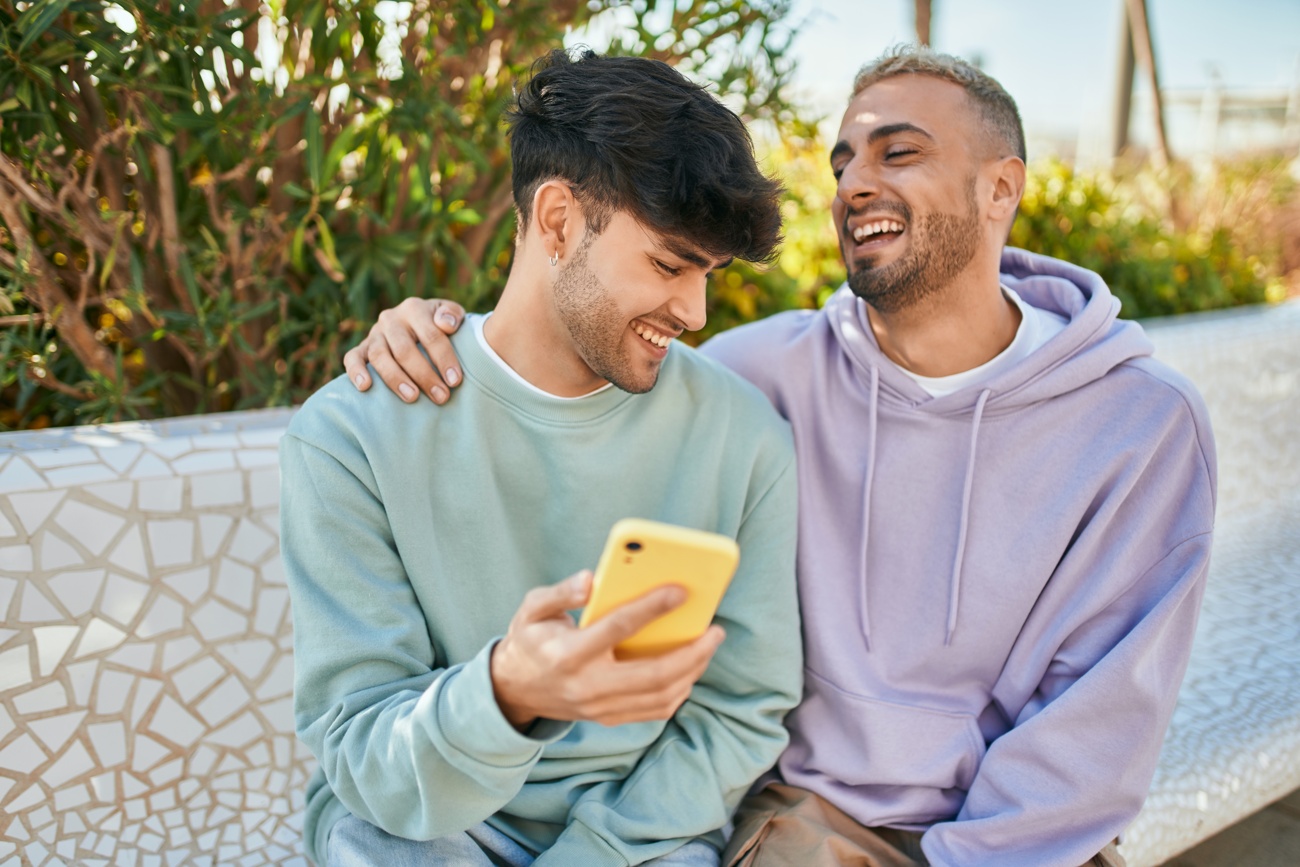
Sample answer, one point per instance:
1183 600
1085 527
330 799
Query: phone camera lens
633 546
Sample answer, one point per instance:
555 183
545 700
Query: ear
557 219
1008 175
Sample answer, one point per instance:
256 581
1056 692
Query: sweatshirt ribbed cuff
472 722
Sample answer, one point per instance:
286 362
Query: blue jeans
354 842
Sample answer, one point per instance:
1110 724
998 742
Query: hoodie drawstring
954 586
866 502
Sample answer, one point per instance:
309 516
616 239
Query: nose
689 305
858 184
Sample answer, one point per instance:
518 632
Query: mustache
897 209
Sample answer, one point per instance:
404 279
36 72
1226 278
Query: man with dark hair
458 714
1005 516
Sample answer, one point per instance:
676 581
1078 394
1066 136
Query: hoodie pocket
862 741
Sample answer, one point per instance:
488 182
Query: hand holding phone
641 555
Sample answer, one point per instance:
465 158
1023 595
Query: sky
1058 59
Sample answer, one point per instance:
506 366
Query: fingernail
406 392
453 376
447 319
438 394
360 381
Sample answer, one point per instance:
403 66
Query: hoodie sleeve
419 749
1090 718
728 732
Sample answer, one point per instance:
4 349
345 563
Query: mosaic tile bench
145 639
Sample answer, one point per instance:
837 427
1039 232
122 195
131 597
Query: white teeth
650 336
861 233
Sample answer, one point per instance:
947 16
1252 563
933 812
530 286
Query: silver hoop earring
555 258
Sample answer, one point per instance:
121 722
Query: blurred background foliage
204 204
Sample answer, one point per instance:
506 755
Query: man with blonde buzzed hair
1005 511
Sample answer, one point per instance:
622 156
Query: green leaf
37 19
311 131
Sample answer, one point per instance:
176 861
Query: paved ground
1270 838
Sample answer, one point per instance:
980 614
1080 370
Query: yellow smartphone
641 555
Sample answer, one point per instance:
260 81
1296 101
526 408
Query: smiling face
907 162
625 294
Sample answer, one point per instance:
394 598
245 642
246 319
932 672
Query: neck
529 335
956 329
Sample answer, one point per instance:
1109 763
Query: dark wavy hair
634 135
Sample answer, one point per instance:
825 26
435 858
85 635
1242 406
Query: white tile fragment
45 697
234 583
93 528
52 642
33 509
15 668
216 489
271 605
273 571
178 651
77 590
216 441
238 733
213 530
114 493
57 552
203 462
36 607
150 467
120 456
18 475
250 542
129 553
7 529
159 495
164 615
147 752
75 477
251 458
175 723
223 702
73 763
138 655
46 458
279 682
146 690
192 583
16 558
215 620
170 446
82 677
104 788
123 598
109 742
56 731
264 488
99 635
23 755
249 657
72 796
171 542
193 680
262 437
112 691
7 588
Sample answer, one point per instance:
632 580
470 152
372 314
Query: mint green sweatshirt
410 536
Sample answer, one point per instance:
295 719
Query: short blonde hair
995 107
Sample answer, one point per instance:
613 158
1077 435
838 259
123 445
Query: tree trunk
923 11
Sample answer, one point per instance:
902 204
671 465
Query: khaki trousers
783 826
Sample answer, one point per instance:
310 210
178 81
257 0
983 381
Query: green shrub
1135 231
203 204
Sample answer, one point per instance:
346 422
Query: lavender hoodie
999 587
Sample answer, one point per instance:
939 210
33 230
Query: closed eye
668 270
900 152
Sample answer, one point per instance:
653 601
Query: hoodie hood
1093 343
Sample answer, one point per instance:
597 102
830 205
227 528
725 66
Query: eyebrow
692 254
843 148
